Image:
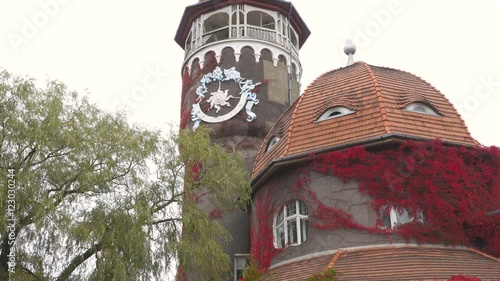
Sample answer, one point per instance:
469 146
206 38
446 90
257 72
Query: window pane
281 238
386 221
304 227
402 217
242 18
279 218
291 209
234 19
303 208
292 232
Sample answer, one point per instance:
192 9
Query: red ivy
466 278
262 247
181 275
216 213
454 188
463 278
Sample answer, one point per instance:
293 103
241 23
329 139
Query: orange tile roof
394 262
378 96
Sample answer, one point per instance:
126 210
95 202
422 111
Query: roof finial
349 50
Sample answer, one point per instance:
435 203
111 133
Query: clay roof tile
378 97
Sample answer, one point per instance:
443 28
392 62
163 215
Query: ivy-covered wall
453 187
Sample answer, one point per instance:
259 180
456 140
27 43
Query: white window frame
301 231
425 109
241 263
395 217
272 143
342 112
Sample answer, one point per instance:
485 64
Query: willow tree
87 196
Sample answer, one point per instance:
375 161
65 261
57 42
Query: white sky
110 47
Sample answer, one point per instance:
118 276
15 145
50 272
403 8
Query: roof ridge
335 258
378 92
290 127
483 254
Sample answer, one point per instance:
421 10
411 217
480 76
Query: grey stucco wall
333 193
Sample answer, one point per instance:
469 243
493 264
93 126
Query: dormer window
272 143
422 108
334 112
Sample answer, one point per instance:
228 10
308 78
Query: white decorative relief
222 98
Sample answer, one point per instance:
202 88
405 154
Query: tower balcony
241 25
242 31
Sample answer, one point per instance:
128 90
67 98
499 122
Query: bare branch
166 220
77 261
29 272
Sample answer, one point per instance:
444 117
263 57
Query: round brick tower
240 73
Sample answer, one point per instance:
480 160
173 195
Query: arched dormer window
291 224
272 143
420 107
334 112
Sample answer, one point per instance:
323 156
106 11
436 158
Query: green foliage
213 170
100 199
253 273
328 274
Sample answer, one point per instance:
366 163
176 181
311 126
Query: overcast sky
110 47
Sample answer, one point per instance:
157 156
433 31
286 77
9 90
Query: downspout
290 55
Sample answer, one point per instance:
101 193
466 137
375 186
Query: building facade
371 171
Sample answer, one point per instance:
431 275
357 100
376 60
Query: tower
241 71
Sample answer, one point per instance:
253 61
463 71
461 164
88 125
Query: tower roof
374 106
194 11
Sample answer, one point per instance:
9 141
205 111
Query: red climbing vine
261 230
452 187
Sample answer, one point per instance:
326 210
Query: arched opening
261 25
282 59
294 39
266 54
261 19
216 28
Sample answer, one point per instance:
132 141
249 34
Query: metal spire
349 50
